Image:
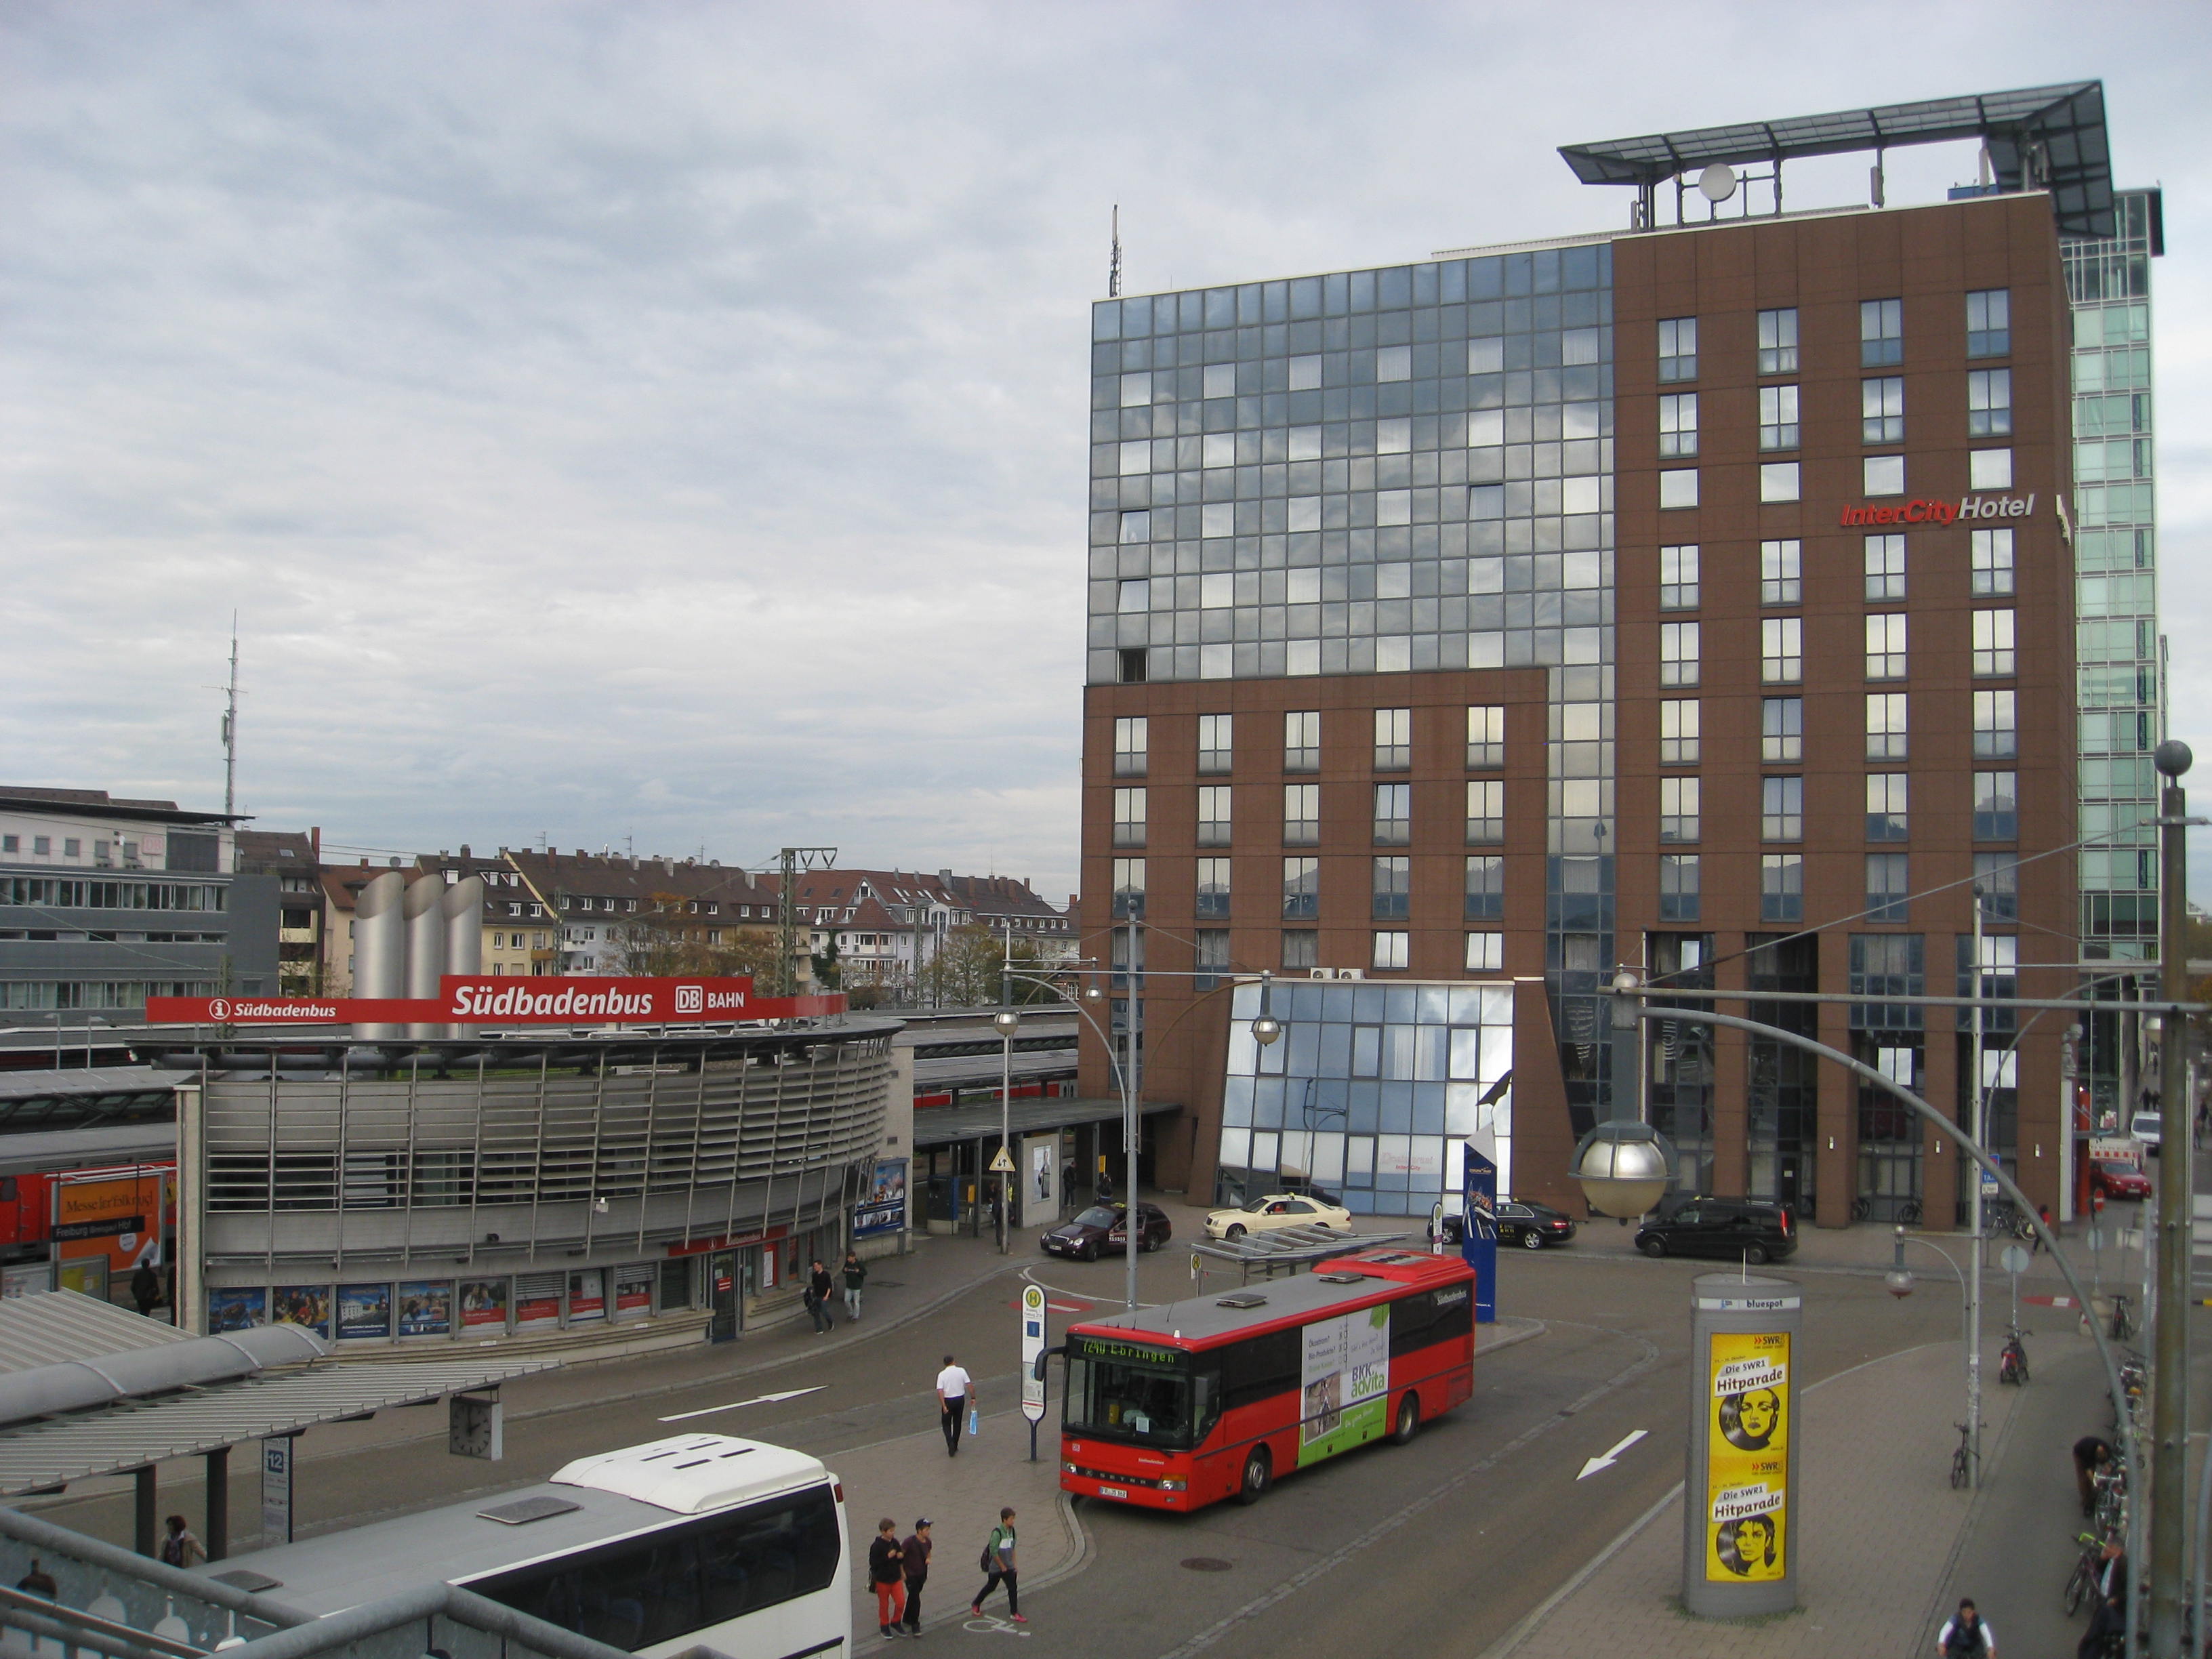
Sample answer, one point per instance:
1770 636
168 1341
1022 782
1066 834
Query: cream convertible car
1277 1210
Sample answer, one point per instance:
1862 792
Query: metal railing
111 1604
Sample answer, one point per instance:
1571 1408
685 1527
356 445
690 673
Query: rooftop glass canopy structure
2038 138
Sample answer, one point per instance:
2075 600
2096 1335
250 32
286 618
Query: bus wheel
1409 1419
1258 1468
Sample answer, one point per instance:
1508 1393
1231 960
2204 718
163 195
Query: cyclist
2092 1453
1968 1636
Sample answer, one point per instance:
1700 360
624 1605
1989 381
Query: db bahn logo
219 1010
690 998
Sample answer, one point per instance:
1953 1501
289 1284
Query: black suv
1733 1228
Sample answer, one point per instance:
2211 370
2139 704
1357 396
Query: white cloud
668 420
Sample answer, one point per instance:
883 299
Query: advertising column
1739 1539
1479 1235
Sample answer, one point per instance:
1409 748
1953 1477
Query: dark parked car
1532 1226
1734 1228
1103 1230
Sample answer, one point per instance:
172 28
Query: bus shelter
91 1390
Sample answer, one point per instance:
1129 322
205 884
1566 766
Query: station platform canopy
944 1126
132 1429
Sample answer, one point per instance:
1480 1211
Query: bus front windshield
1147 1403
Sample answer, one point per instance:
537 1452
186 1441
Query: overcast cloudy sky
667 420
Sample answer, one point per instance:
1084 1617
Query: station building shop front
559 1184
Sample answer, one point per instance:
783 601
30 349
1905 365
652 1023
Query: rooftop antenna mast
230 728
1113 267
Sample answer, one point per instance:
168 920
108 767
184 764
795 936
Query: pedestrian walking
1967 1636
888 1575
818 1286
39 1582
955 1388
855 1273
180 1549
915 1565
146 1289
999 1565
2042 1214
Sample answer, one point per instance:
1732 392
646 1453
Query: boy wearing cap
916 1567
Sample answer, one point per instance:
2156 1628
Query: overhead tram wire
1926 892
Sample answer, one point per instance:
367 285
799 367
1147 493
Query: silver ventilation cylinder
380 947
463 908
424 907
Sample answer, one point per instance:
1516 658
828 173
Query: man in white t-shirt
955 1388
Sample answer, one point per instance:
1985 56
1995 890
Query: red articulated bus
1180 1407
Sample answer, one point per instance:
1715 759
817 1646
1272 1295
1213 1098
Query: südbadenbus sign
501 1001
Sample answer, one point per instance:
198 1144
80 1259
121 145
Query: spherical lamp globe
1624 1168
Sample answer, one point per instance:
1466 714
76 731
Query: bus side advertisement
1181 1419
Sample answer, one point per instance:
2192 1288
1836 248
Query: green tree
666 940
965 973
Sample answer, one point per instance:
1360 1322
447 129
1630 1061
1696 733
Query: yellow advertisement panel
1748 1456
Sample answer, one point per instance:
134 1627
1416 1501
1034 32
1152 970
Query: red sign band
499 1001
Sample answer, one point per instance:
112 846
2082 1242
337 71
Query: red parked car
2116 1180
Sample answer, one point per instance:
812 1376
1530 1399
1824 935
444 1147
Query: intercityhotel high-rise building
1726 596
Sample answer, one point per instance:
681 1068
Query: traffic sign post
2014 1261
1032 1351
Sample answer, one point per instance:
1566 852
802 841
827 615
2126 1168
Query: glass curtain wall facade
2118 643
1408 468
1368 1092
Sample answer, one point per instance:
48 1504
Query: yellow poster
1747 1458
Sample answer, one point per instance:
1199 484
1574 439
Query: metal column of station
146 1523
218 1504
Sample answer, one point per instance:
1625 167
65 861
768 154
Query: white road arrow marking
1610 1458
758 1400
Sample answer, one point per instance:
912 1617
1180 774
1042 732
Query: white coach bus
702 1541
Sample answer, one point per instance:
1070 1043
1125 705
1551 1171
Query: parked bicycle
1962 1460
2083 1582
2122 1326
2012 1361
1908 1211
2111 1504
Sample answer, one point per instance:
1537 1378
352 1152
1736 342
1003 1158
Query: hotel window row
1393 751
1882 335
1782 808
1781 570
1881 413
1781 648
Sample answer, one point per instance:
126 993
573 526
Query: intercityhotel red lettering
1942 512
500 1001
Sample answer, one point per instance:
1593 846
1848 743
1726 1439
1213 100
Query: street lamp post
2131 1447
2170 1350
1898 1282
1265 1030
1981 1102
1008 1022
